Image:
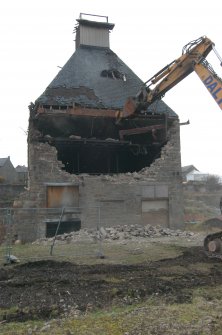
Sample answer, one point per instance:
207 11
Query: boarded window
155 191
155 212
155 205
62 196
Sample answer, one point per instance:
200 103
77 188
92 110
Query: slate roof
21 168
80 82
3 161
187 169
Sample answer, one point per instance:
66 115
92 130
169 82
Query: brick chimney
93 33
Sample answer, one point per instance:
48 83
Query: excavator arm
210 79
191 60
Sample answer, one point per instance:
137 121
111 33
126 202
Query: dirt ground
49 289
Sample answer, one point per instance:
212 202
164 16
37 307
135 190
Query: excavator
193 59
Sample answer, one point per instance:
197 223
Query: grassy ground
130 252
202 317
196 310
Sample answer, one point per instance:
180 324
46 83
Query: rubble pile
137 231
117 233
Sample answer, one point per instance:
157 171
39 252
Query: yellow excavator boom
192 59
211 81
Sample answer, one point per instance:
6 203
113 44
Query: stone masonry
119 197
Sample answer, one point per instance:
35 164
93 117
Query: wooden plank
80 111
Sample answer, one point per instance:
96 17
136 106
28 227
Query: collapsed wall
152 195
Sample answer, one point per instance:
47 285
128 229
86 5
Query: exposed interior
99 145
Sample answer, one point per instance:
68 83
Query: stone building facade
7 171
81 155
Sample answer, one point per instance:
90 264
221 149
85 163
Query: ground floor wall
151 196
95 203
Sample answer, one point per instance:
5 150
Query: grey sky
36 37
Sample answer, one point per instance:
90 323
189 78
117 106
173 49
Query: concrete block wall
168 169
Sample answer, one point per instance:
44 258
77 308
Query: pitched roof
21 168
3 161
188 168
95 77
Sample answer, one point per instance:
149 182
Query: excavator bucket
213 241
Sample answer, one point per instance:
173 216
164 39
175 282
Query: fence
41 233
113 232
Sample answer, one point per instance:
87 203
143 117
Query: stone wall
152 196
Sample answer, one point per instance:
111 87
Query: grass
152 317
88 252
202 315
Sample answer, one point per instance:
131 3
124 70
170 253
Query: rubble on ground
126 232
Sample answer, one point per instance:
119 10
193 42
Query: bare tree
213 183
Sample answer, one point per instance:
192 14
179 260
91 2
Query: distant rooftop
21 168
3 161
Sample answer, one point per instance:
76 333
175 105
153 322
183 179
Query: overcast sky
36 37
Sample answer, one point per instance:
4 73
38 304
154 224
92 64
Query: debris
120 233
11 259
75 137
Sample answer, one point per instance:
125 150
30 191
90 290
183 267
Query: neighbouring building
190 173
7 171
22 174
11 175
11 183
80 154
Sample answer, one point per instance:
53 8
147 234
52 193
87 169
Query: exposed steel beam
141 130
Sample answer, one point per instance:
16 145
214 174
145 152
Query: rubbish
11 259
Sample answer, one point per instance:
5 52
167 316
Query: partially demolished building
81 155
